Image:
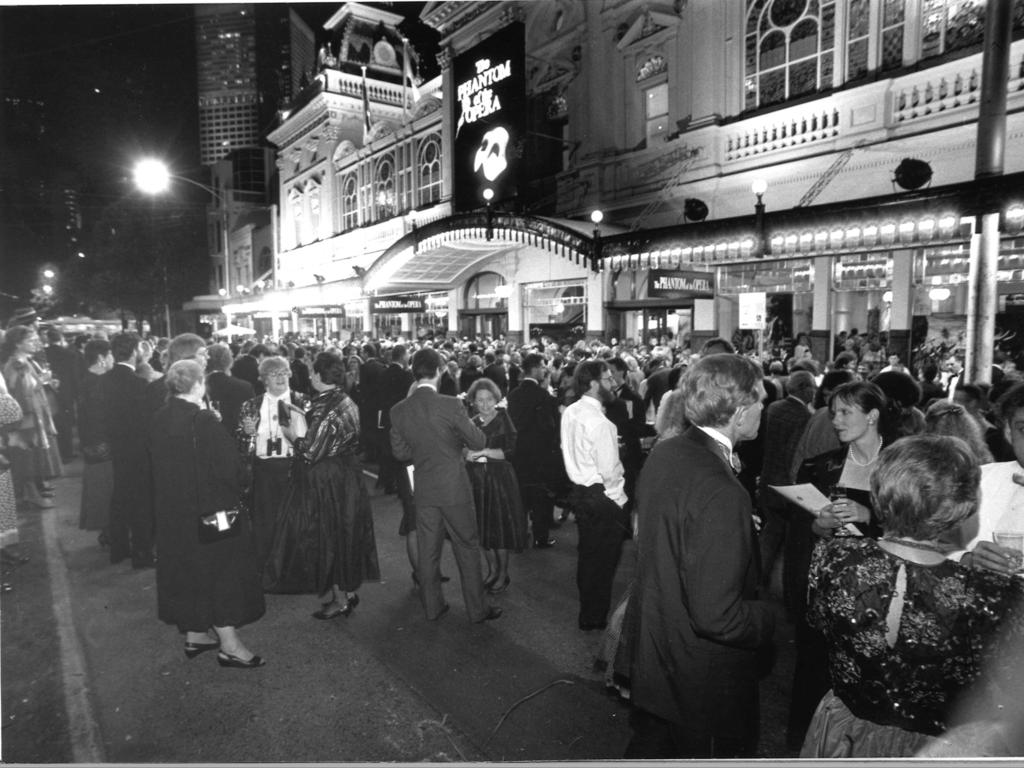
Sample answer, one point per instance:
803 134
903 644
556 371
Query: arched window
482 292
384 189
295 203
428 187
313 195
349 202
789 49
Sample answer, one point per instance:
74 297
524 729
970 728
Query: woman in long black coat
206 588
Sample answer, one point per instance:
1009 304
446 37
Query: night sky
117 82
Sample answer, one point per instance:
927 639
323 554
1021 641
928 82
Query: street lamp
597 217
488 195
152 177
763 246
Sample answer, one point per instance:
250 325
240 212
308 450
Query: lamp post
597 217
152 177
488 195
763 246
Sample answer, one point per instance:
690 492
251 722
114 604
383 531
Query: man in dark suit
247 366
494 369
784 423
225 392
121 396
63 363
698 625
371 372
534 414
394 386
431 430
626 412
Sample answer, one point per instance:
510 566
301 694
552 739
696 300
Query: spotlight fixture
694 209
318 278
360 271
912 174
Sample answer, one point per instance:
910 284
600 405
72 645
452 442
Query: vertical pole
991 143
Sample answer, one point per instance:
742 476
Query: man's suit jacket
121 398
496 372
535 416
229 393
247 368
699 624
431 430
784 424
63 362
395 384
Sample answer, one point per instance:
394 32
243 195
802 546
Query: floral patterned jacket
956 624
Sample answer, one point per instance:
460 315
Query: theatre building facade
641 169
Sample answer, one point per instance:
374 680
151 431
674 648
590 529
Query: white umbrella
234 330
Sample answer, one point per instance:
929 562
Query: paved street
90 675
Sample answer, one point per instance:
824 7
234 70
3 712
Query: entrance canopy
445 252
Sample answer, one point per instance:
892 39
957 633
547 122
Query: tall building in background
251 58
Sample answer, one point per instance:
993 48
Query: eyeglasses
276 375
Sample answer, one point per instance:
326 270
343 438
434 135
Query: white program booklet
806 496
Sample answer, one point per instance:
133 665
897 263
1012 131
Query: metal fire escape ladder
662 195
823 181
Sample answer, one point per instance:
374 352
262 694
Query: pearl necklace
853 458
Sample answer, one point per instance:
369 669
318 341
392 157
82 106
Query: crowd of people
237 470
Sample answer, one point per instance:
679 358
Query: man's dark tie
730 458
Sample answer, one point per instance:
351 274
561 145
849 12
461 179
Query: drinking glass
1013 540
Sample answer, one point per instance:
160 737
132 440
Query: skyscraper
250 59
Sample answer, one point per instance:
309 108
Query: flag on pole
366 110
407 72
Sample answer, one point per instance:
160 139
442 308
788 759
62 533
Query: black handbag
215 526
219 526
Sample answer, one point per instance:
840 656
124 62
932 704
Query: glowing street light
151 176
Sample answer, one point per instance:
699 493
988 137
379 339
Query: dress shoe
5 587
444 609
497 589
194 649
416 580
494 612
331 611
141 562
587 626
39 502
546 544
225 659
489 581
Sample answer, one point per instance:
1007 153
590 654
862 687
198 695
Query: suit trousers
459 521
601 529
541 506
659 739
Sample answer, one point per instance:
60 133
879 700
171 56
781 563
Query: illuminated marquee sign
489 114
674 284
397 304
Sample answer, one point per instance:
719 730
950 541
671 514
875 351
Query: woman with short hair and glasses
268 450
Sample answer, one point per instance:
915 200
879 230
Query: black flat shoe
495 589
194 649
227 660
545 544
331 611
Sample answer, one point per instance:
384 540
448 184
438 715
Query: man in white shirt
590 451
1002 497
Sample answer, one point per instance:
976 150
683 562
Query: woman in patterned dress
323 540
499 509
34 455
910 633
